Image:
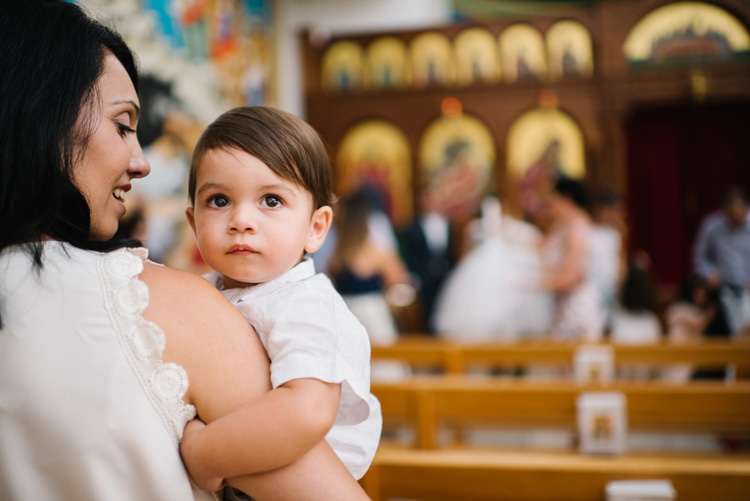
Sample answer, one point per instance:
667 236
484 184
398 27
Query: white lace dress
88 411
578 311
491 294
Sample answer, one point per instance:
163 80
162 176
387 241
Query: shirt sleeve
312 334
702 257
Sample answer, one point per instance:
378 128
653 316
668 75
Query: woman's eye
218 201
124 129
271 201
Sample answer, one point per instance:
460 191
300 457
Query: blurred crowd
560 270
557 264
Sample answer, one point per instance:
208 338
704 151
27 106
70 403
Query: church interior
549 176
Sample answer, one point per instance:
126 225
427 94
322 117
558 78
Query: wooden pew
456 358
449 475
423 352
427 404
431 472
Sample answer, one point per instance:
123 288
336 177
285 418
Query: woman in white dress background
490 296
578 313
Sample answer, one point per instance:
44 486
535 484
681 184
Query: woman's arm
573 267
227 367
373 260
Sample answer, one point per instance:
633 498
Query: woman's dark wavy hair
572 189
51 56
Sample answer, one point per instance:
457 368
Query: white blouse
88 410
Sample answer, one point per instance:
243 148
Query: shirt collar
305 269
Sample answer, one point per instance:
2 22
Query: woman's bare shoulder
207 336
171 286
180 296
163 276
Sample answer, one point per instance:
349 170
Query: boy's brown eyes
217 201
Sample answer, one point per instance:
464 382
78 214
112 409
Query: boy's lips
241 249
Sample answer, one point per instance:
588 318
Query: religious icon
684 32
457 157
569 50
376 154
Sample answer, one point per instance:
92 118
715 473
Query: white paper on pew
602 423
640 490
594 364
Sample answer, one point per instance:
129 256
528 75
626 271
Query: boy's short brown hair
288 145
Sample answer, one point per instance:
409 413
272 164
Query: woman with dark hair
104 356
578 310
363 271
635 319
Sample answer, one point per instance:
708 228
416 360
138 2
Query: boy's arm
319 471
274 430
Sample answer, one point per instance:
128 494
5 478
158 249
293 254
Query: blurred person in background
565 254
428 248
634 319
607 264
363 272
489 294
694 309
687 318
721 256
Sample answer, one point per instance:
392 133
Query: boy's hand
190 451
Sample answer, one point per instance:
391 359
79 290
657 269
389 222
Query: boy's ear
320 223
191 218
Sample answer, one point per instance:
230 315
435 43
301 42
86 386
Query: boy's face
251 225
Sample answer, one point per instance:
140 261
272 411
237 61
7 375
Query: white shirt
604 262
435 229
308 332
88 411
635 328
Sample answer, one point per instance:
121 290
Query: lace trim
125 298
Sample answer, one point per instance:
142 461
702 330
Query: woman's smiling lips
241 249
119 192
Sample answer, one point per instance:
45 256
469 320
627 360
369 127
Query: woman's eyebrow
132 103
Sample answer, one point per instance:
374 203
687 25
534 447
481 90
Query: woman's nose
139 166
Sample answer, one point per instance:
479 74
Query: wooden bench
426 404
421 351
433 471
449 475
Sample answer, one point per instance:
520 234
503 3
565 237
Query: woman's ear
320 223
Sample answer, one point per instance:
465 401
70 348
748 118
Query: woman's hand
190 456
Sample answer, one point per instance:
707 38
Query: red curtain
681 160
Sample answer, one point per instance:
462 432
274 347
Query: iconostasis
474 106
639 96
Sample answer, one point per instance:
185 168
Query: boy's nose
242 220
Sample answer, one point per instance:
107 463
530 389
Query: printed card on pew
640 490
594 364
602 423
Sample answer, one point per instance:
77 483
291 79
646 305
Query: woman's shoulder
189 293
581 222
164 276
205 334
